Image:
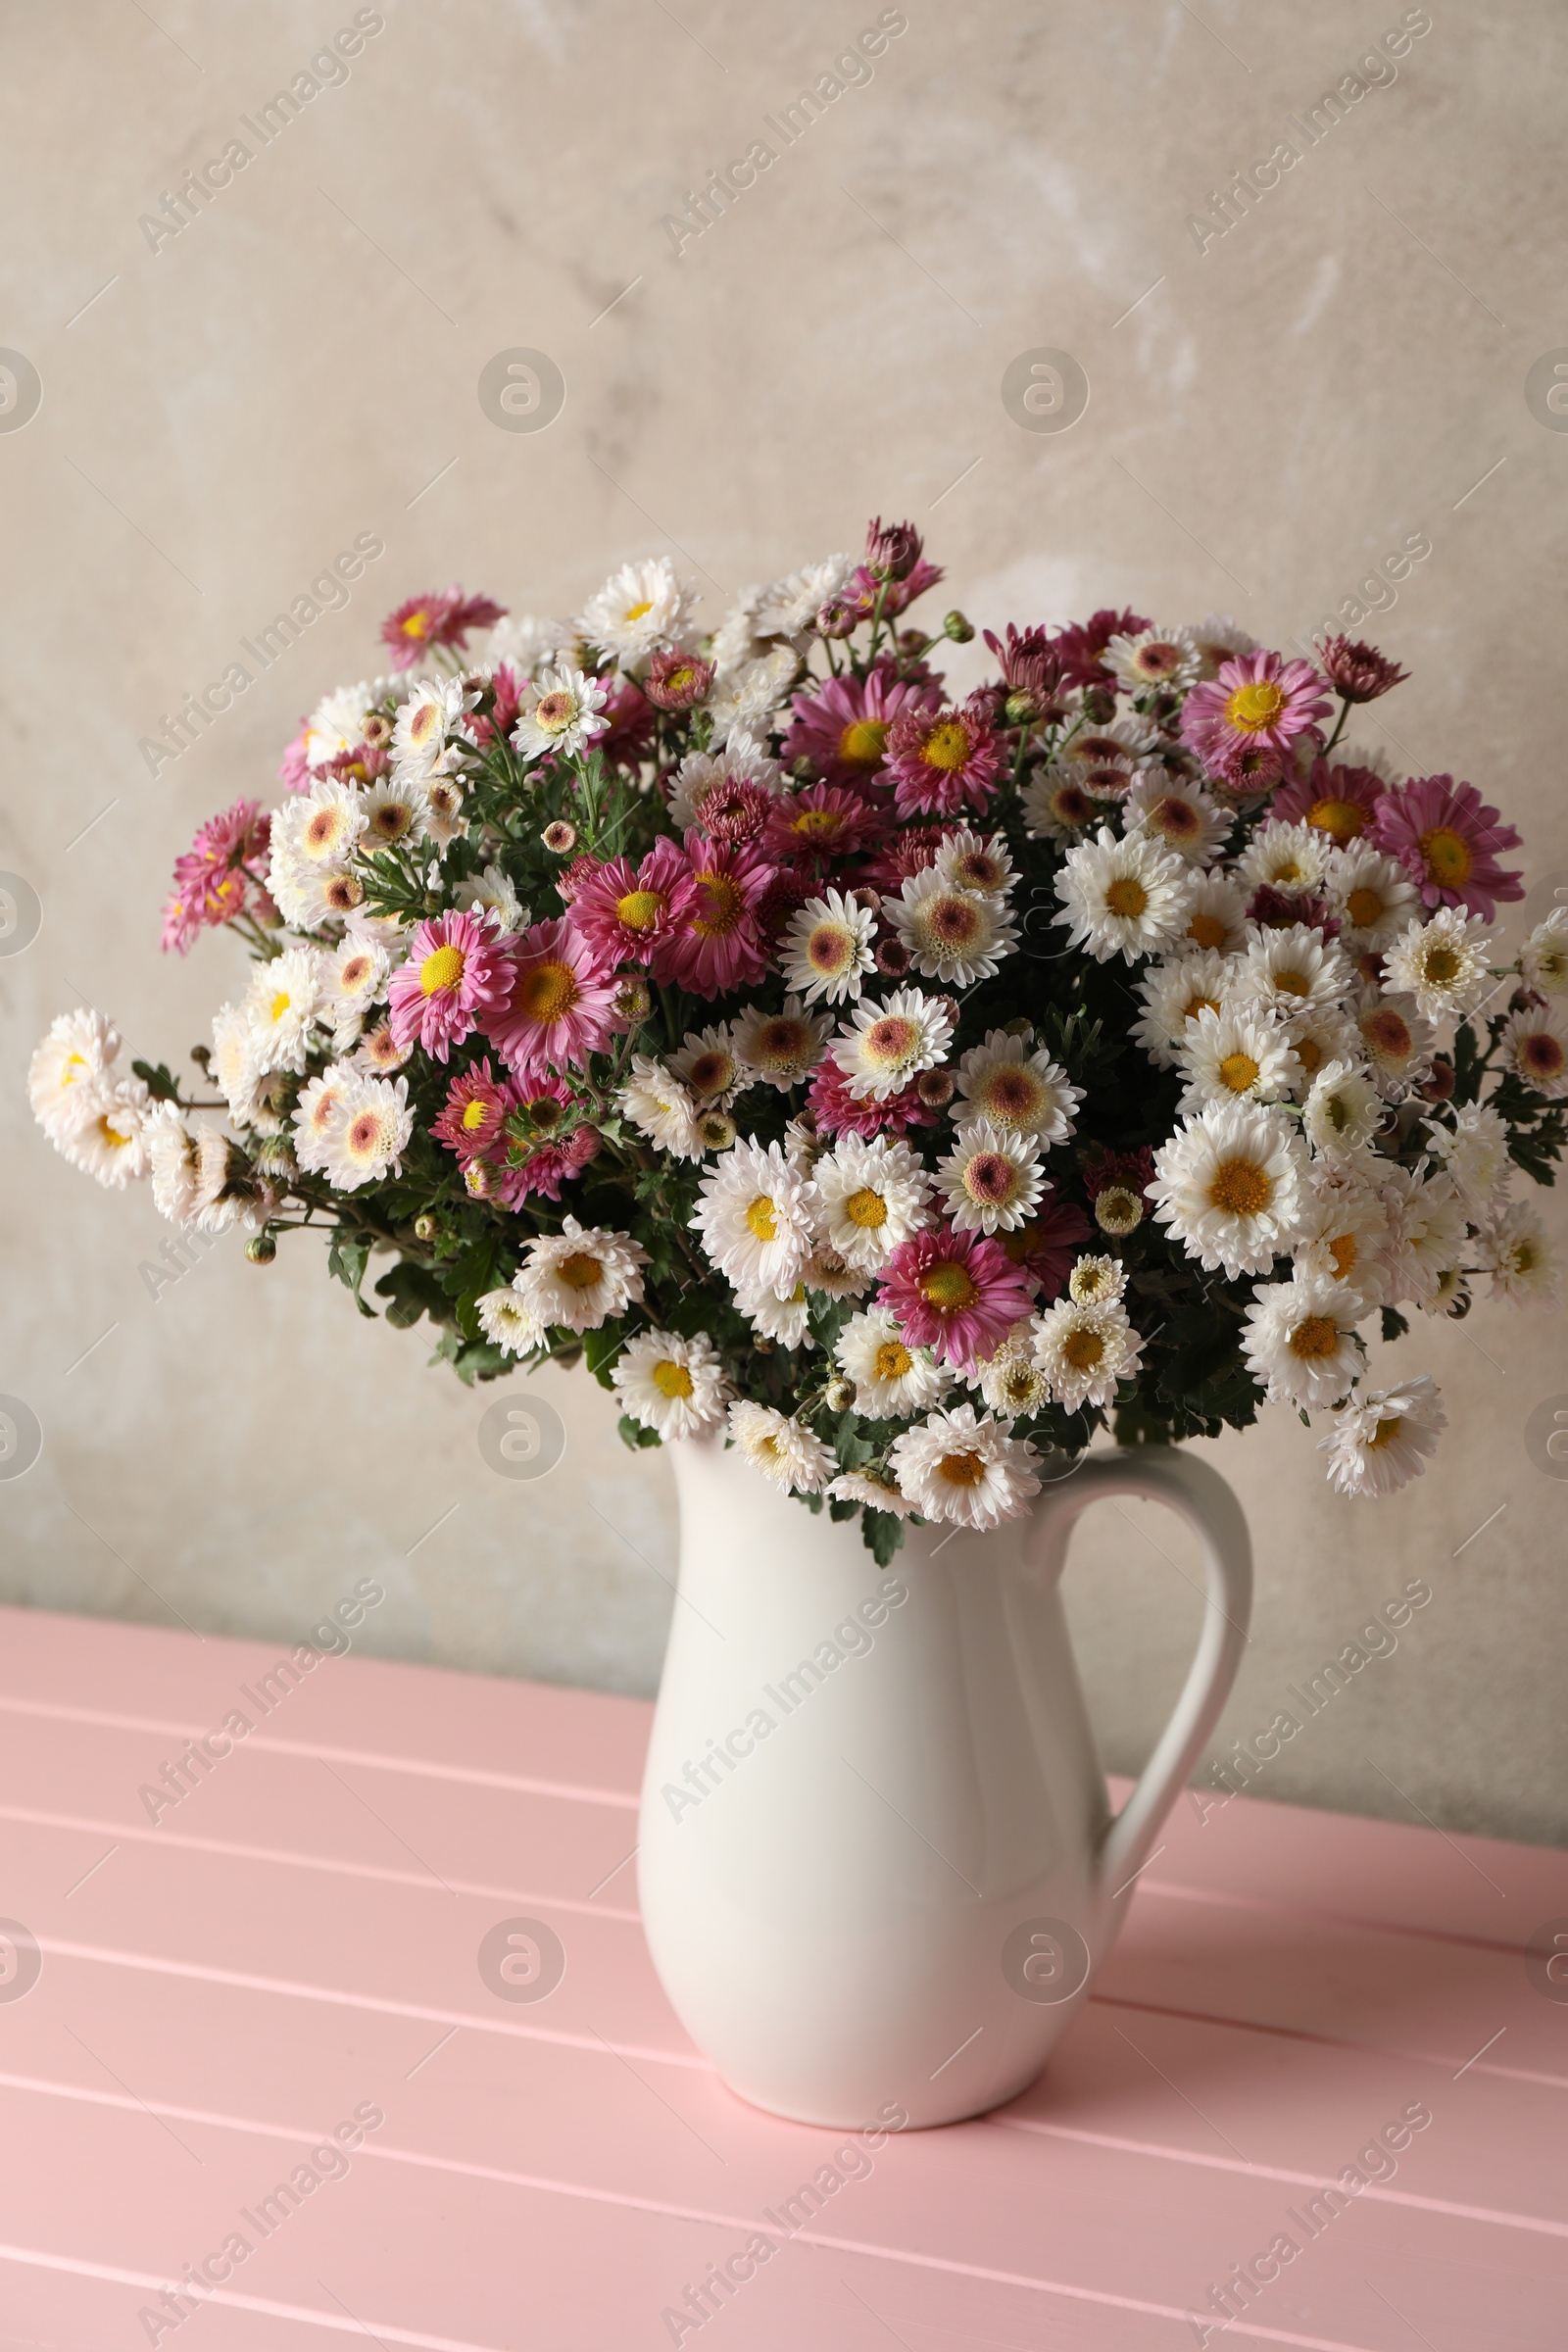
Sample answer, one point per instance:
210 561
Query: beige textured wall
1268 419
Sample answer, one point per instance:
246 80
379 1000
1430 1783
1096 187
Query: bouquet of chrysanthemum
915 1083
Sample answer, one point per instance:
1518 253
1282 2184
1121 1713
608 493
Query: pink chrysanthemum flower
913 850
456 971
631 722
429 621
842 725
219 876
942 761
1259 702
823 822
474 1112
560 1006
496 724
543 1164
720 942
1340 800
735 808
1048 1244
1356 669
957 1293
837 1112
629 913
1447 839
1079 647
677 679
293 768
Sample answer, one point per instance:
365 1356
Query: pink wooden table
293 1946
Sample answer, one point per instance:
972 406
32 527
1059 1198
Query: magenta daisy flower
1446 838
1356 669
219 876
1078 648
842 725
629 913
822 822
676 680
1338 801
839 1112
457 970
537 1161
437 619
942 761
1258 702
958 1293
474 1112
720 942
1048 1244
561 1006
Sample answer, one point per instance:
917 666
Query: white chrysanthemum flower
1427 1231
353 979
774 1442
228 1197
971 1473
236 1067
561 713
1543 958
744 701
781 1047
337 723
707 1066
1397 1040
1474 1151
735 641
872 1195
1342 1112
659 1107
1283 857
1294 968
1373 896
397 811
1382 1439
1216 914
1178 814
829 948
1451 1298
754 1214
1522 1258
1084 1351
528 643
171 1159
576 1279
321 827
891 1378
1232 1187
1445 963
309 896
878 1494
1154 660
434 712
698 775
979 861
370 1135
1010 1380
1023 1094
952 935
1345 1236
1175 994
1300 1341
1093 1281
1322 1034
318 1115
786 606
1057 805
1219 640
379 1053
108 1135
493 893
991 1180
1235 1055
670 1385
891 1044
1124 898
508 1324
788 1320
1130 737
280 1006
640 607
76 1052
444 820
830 1272
1535 1047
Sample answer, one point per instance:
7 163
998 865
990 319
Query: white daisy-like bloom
1322 1034
1474 1151
1232 1187
781 1047
829 948
787 606
1443 963
1346 1238
786 1320
891 1044
576 1279
872 1195
397 809
1219 640
969 1472
1451 1296
379 1053
1522 1258
1153 659
659 1107
1284 856
891 1378
508 1324
318 1115
353 979
1543 958
1176 992
171 1162
1023 1094
1535 1047
1382 1438
561 713
77 1053
444 818
528 643
435 712
1373 896
106 1137
1011 1381
281 1005
1125 897
742 701
1216 914
1178 814
1095 1280
321 827
1129 737
493 893
735 641
755 1214
1397 1040
956 936
1428 1229
878 1494
368 1138
236 1067
1293 969
672 1386
991 1181
337 723
829 1271
707 1066
978 861
1300 1341
1235 1055
1057 805
640 607
774 1442
310 895
227 1196
1085 1350
1342 1112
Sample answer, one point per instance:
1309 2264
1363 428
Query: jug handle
1199 1496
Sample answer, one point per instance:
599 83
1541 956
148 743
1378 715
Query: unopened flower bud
425 1227
956 626
717 1130
1020 709
559 837
1118 1210
935 1088
839 1396
260 1248
633 1003
892 958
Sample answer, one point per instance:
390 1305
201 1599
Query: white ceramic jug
877 1860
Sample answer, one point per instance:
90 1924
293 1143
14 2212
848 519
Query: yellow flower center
1240 1188
1309 1054
866 1209
636 612
1315 1339
814 823
1384 1433
1206 930
1238 1071
1442 965
1448 856
1345 1250
441 970
672 1379
73 1070
547 992
111 1133
723 906
1197 1004
580 1271
947 745
948 1287
861 743
892 1362
1083 1350
1364 907
640 909
416 624
280 1003
1291 983
1126 898
761 1218
1252 707
962 1469
1345 820
473 1115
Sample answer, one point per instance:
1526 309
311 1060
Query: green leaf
347 1259
1394 1325
414 1291
635 1434
155 1077
882 1533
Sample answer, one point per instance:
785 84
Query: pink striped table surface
261 2090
